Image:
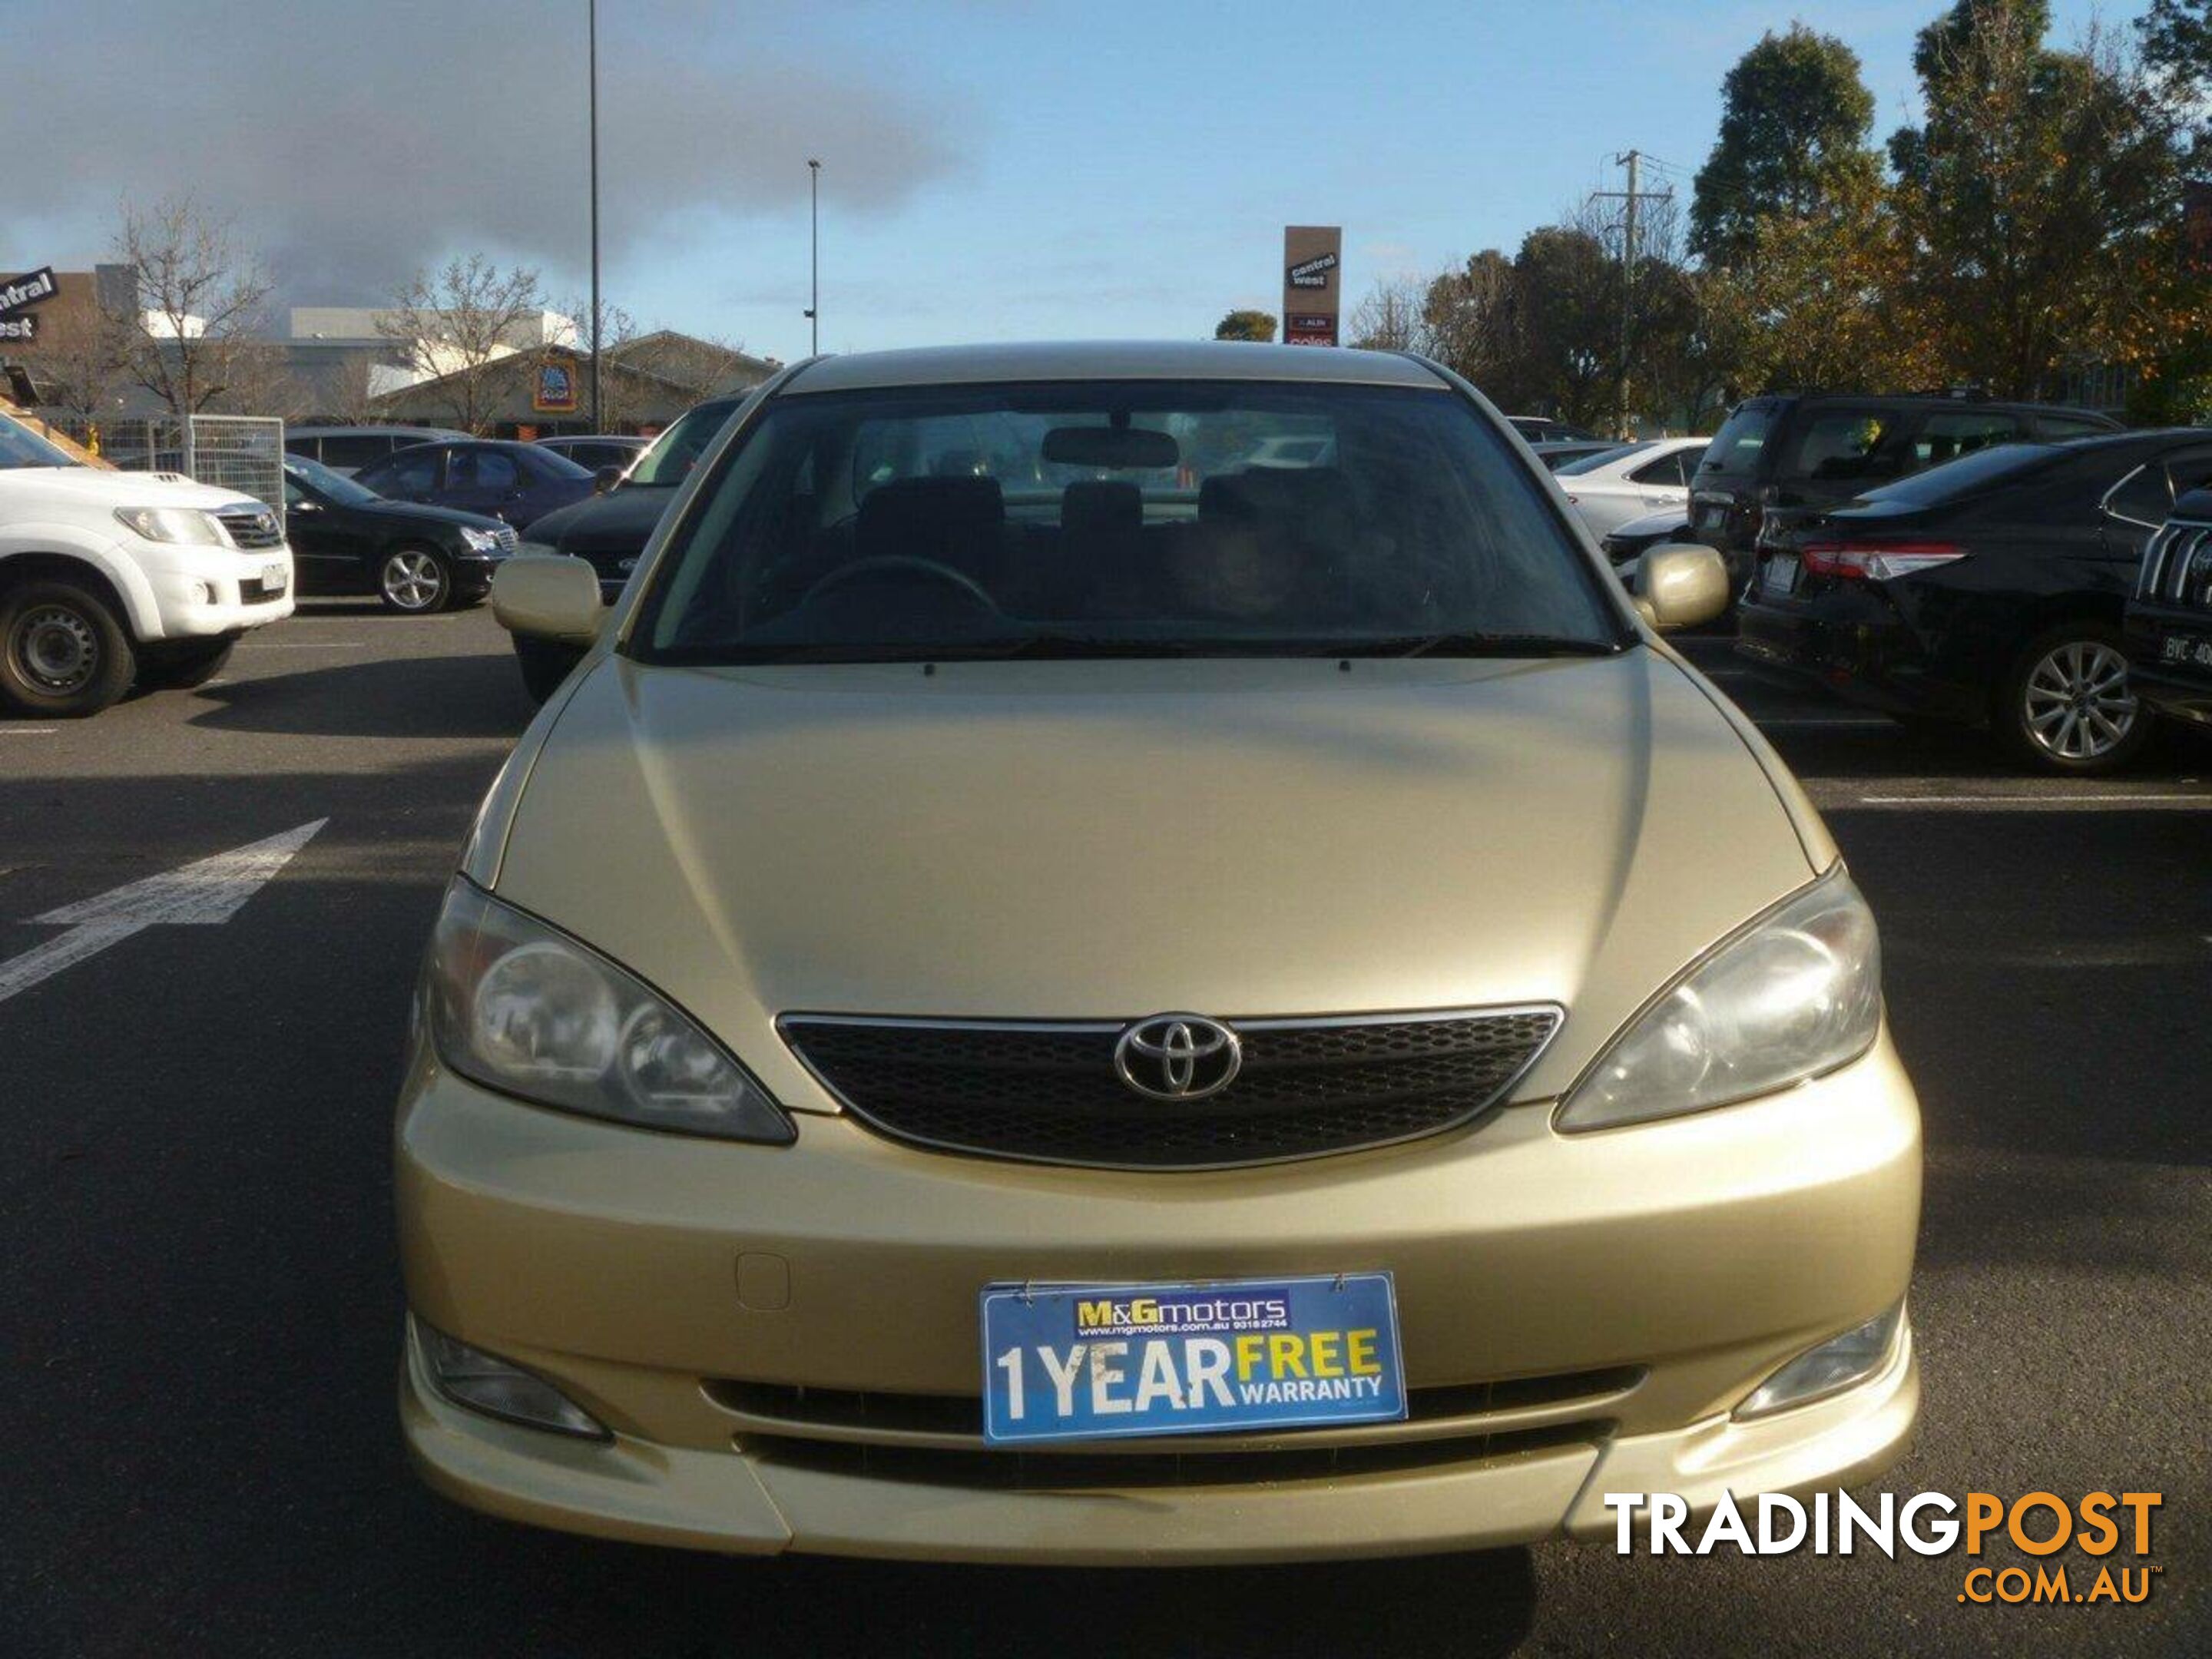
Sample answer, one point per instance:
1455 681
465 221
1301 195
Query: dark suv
1795 450
2169 619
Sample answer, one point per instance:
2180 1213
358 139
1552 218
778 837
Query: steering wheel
901 564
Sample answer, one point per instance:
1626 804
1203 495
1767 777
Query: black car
2169 619
611 531
1555 453
1987 592
595 451
1806 450
347 538
1543 429
347 449
517 482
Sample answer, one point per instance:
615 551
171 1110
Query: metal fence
244 453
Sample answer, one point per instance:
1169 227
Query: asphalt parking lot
203 1300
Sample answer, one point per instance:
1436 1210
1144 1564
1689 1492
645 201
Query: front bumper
200 592
671 1287
1855 649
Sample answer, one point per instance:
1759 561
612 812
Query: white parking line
29 731
301 645
1839 721
2044 803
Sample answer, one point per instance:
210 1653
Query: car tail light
1876 561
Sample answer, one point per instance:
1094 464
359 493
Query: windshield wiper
1477 644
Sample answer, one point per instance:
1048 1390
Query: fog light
1840 1363
484 1382
203 594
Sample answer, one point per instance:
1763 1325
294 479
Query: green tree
1794 117
2040 201
1245 325
1566 322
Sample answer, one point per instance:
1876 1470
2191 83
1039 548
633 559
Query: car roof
1105 360
437 432
1924 400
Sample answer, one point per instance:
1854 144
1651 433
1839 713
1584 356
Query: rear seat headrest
929 517
1107 506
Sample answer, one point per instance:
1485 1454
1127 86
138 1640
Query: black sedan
611 531
518 482
347 538
1986 591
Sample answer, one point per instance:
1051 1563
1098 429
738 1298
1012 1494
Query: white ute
108 578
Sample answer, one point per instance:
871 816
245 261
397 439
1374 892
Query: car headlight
519 1007
480 541
1795 994
536 550
170 523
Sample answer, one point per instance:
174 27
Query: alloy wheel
413 581
2077 704
56 649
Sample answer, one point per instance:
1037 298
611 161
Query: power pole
591 25
1632 160
814 255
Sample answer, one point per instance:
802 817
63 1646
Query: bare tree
618 331
199 299
1389 317
89 367
447 326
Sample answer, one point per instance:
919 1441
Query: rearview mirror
1681 584
607 478
549 598
1125 448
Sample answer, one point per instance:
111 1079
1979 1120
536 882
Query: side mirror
1682 584
607 478
549 598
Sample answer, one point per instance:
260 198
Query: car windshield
1966 475
1736 448
1603 457
552 460
331 486
676 451
1128 519
19 447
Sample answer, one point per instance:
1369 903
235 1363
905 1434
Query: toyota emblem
1178 1057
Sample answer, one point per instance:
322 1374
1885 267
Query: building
645 383
62 336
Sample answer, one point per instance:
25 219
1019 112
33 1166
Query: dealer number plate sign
1097 1362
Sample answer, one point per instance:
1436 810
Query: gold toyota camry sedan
1052 988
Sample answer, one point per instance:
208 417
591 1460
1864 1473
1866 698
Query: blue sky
1132 176
992 168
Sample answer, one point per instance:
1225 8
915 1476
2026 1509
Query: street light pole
592 26
814 255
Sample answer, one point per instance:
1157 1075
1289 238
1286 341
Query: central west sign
17 295
1311 256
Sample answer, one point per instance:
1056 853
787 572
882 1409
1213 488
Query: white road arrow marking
202 895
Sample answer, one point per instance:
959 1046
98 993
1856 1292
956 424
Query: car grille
507 540
251 527
2176 567
1049 1092
937 1440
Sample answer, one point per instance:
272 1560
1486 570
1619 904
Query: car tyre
414 582
181 667
2063 707
64 653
